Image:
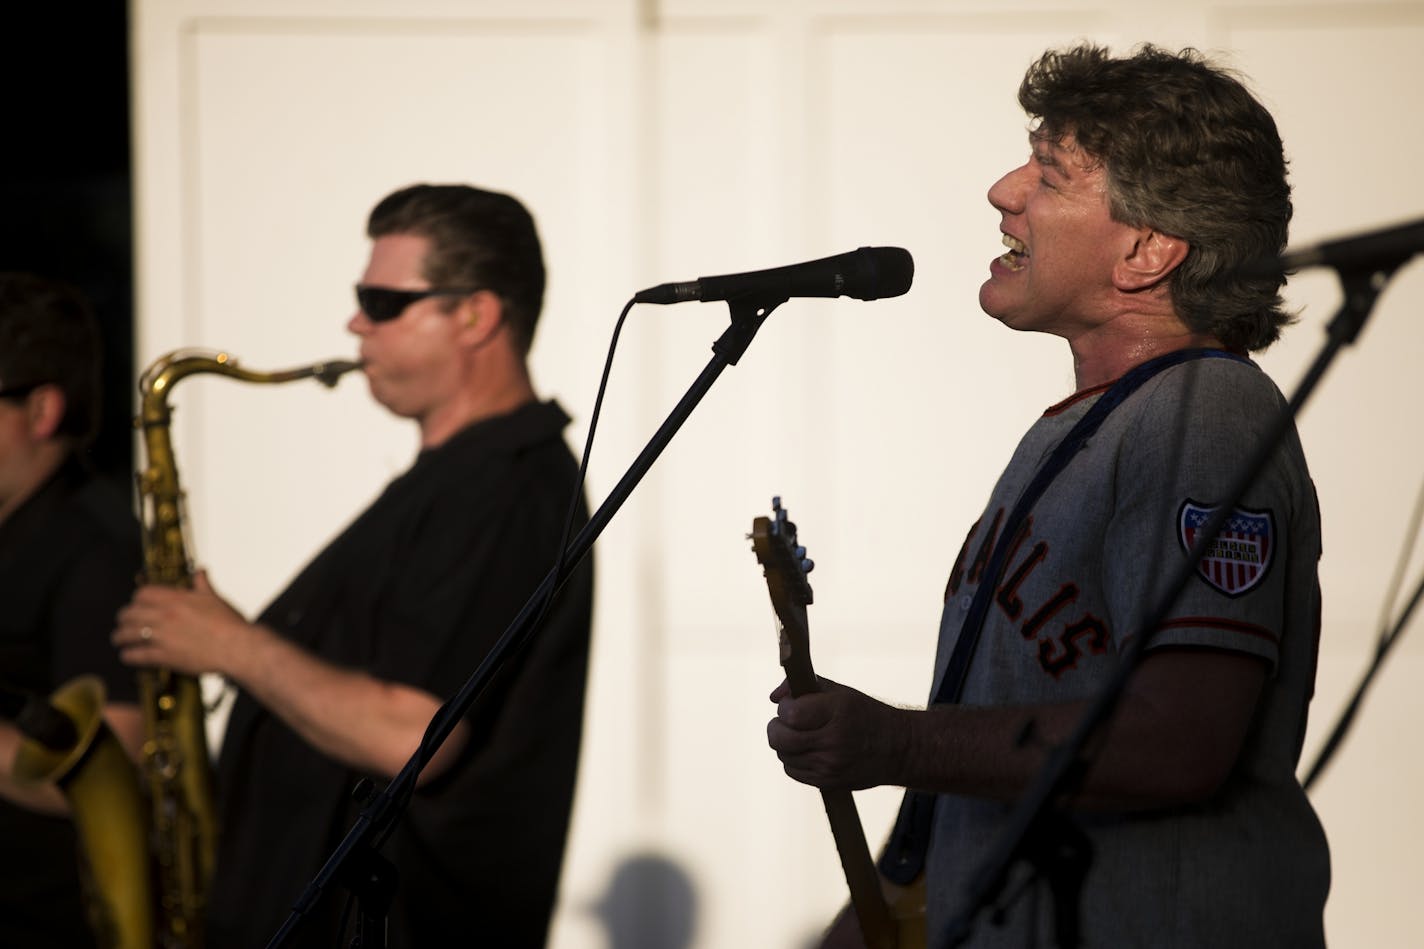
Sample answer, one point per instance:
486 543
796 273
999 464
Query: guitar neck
796 663
786 566
862 879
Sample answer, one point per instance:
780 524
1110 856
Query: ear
481 314
45 411
1149 261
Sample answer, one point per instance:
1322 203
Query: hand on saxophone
193 631
346 714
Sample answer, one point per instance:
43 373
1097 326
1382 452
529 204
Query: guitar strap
904 855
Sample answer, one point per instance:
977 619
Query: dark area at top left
65 183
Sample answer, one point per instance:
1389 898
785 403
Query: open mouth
1017 256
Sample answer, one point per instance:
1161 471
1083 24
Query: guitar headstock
782 557
786 565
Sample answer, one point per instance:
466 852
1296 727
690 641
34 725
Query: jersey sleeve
1190 439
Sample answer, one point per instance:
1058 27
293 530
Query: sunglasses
382 303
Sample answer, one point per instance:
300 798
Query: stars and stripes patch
1240 555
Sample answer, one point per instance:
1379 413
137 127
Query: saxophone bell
37 719
94 773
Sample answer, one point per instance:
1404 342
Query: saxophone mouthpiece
330 373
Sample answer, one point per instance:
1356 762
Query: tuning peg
807 565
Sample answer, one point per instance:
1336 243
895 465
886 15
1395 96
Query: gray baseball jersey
1250 867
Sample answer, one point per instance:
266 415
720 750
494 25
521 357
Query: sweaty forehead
1060 149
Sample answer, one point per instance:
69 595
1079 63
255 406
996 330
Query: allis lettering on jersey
1060 644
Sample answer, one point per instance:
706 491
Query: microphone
1379 248
869 273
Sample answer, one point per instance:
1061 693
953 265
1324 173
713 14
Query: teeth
1018 253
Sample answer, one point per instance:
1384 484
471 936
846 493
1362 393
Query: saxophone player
69 553
339 676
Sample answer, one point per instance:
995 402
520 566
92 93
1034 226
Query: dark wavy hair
1189 151
49 336
477 238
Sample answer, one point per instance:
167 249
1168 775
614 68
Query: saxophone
149 834
182 818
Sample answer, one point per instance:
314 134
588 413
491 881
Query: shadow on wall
649 904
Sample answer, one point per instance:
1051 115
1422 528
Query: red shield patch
1239 557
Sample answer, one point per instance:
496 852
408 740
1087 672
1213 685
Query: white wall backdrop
662 141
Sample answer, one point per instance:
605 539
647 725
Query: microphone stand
1387 642
1035 829
355 861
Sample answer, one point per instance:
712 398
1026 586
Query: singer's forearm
1174 738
